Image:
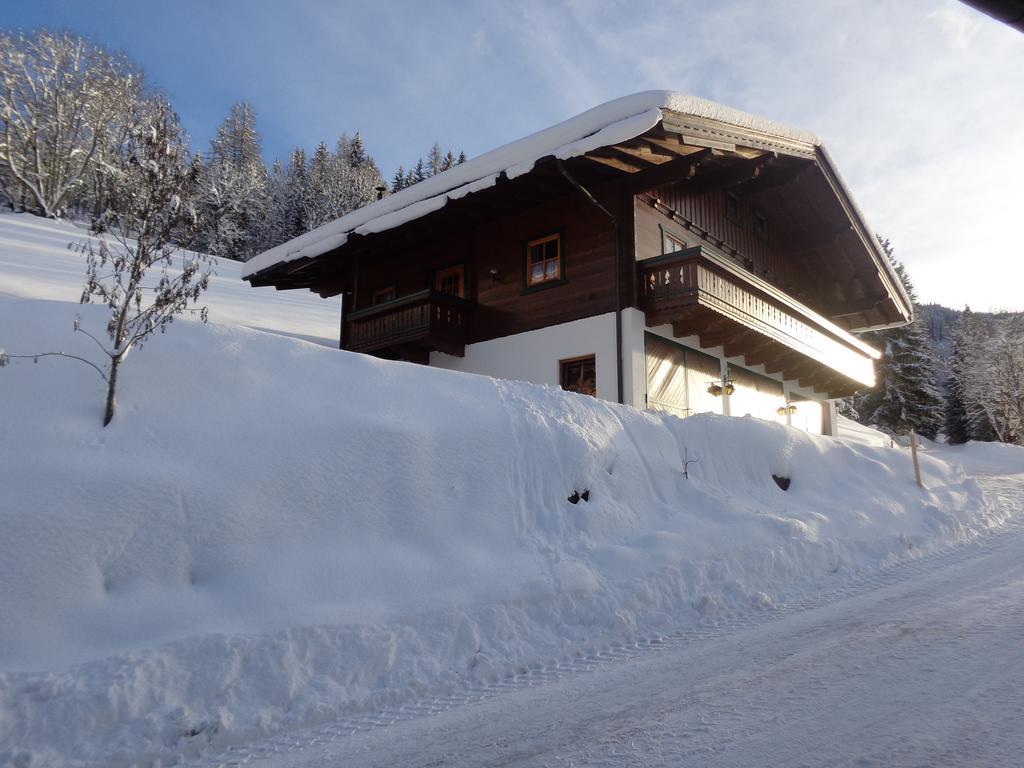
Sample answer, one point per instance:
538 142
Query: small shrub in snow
150 192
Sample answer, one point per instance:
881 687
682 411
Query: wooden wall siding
774 260
503 306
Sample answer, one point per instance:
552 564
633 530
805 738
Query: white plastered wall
534 355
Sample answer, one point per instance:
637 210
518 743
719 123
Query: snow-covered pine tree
364 176
233 200
294 216
462 158
435 160
151 196
906 396
357 156
448 161
237 140
318 203
959 426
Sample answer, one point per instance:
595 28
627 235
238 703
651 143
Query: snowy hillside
36 263
272 533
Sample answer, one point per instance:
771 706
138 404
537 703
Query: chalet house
659 250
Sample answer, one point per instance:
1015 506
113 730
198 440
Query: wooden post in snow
913 454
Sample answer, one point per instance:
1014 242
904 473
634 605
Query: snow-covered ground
36 263
272 534
918 665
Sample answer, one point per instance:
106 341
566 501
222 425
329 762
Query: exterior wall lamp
717 390
788 408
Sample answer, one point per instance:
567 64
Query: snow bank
610 123
272 533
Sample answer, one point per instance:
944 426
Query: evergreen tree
320 201
357 156
906 396
237 141
448 162
233 193
398 180
958 426
435 161
294 216
462 158
419 172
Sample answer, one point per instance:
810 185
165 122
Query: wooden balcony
703 293
410 327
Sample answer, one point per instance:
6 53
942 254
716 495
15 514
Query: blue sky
920 102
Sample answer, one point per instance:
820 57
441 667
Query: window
544 261
732 207
761 226
579 375
382 295
451 281
671 243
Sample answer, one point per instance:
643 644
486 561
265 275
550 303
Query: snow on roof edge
610 123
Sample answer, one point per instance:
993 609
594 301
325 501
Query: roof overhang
1010 12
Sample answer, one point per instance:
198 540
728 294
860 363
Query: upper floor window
670 243
383 295
544 260
451 281
732 207
761 226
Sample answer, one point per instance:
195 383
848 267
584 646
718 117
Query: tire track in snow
1007 492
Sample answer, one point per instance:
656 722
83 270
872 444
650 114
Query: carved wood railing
428 319
674 282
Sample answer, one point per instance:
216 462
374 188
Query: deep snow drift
272 533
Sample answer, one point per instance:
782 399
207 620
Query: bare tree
64 106
151 206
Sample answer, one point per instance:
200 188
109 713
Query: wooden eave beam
647 151
783 361
778 175
670 144
669 173
729 176
625 164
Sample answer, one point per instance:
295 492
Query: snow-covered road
923 666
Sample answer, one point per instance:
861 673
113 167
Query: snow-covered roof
611 123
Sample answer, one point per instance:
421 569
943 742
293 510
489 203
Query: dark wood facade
494 262
775 265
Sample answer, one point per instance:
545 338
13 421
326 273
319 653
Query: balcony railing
427 321
672 285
